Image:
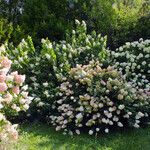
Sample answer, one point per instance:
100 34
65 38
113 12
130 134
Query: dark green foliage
5 31
42 18
11 10
10 32
120 20
142 28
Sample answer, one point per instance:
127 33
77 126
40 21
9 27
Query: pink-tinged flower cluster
16 90
8 132
3 87
5 62
13 98
19 79
96 99
2 78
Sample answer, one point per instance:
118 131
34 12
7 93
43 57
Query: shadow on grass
42 137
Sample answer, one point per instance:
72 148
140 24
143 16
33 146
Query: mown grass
42 137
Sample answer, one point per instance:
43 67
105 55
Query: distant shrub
141 29
42 19
10 32
120 20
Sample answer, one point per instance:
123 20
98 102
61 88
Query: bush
127 16
95 99
13 99
119 20
47 65
133 59
142 28
78 48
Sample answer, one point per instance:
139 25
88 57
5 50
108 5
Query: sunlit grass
43 137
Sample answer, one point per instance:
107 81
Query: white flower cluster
95 100
133 59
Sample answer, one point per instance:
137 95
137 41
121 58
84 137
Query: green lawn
43 137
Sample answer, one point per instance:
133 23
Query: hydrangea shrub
56 60
78 48
49 64
96 99
13 99
133 59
